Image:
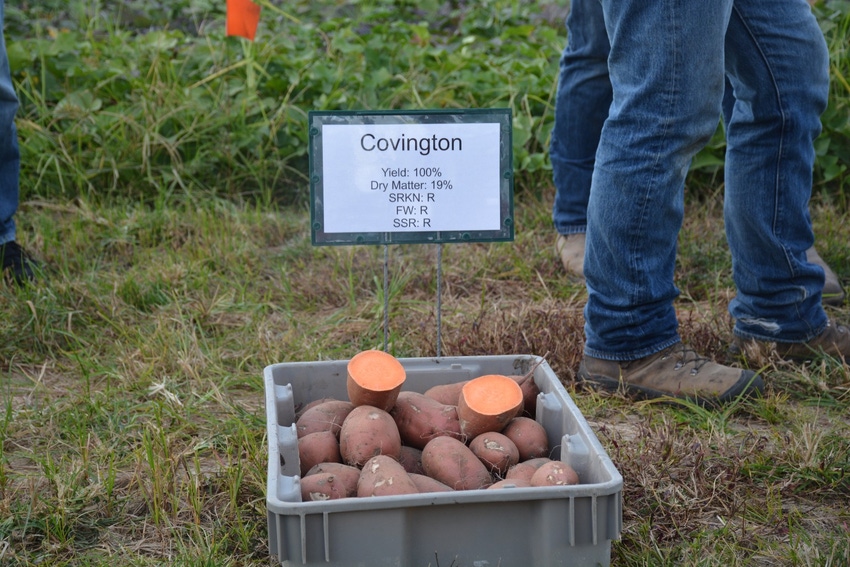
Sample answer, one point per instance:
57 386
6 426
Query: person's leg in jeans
667 96
9 154
581 107
667 100
582 101
769 160
794 117
13 260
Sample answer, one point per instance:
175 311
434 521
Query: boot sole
750 384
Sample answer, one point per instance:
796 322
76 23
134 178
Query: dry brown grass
132 422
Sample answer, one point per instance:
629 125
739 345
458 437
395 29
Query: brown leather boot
833 341
676 371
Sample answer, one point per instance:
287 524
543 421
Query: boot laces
686 355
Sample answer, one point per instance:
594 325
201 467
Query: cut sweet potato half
374 379
488 403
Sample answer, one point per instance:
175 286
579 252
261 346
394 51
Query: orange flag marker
242 18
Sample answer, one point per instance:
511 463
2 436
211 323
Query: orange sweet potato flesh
488 403
420 418
374 379
366 432
454 464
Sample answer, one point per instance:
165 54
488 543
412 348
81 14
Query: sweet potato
497 452
300 409
537 462
346 474
318 447
488 403
447 394
326 416
530 391
554 473
529 437
420 419
374 379
366 432
454 464
521 472
411 459
384 476
426 484
326 486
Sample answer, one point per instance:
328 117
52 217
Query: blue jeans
581 107
10 158
668 95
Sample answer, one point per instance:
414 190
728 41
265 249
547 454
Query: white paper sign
411 177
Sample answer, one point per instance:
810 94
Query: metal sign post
407 177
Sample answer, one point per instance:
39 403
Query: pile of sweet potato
416 443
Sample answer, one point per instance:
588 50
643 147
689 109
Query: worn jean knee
777 62
9 152
581 107
667 101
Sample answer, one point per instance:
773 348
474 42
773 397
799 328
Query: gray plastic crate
523 527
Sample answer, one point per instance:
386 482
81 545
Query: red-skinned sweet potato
346 473
496 451
322 486
447 394
530 391
366 432
426 484
326 416
318 447
521 472
411 459
300 409
528 436
420 419
537 462
554 473
454 464
384 476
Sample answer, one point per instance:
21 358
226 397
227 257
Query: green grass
164 192
133 426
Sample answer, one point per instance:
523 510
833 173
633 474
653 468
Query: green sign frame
465 190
